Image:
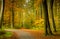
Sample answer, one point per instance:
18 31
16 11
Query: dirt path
21 34
32 34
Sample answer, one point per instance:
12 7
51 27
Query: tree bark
47 24
51 6
12 13
2 14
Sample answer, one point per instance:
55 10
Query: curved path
32 34
21 34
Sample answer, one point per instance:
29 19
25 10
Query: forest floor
32 34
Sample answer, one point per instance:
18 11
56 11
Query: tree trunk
47 24
12 17
2 14
12 13
41 10
51 6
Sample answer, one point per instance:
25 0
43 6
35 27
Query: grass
5 34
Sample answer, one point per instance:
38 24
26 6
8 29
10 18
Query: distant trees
29 5
2 13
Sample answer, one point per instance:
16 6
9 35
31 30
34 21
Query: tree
2 13
41 10
12 13
51 6
47 24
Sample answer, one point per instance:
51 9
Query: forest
40 15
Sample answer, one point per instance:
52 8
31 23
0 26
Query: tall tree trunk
12 14
41 10
51 6
2 14
47 24
12 17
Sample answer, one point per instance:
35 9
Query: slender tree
47 24
12 13
2 13
41 9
